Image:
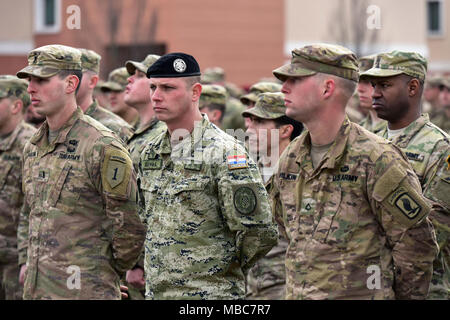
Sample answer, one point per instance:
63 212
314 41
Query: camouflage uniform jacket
110 120
208 220
267 278
80 211
141 136
440 119
367 124
361 208
11 196
427 147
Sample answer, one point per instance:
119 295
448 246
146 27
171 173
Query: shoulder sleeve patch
116 171
245 199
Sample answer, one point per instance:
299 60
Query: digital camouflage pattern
270 105
213 94
368 124
117 80
11 200
361 207
90 60
259 88
426 146
323 58
47 61
207 214
266 280
14 88
141 137
398 62
80 210
112 121
142 66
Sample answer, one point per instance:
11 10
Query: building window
435 17
47 15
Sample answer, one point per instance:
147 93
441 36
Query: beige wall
440 45
16 27
403 24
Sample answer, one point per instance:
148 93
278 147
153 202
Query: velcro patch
152 164
116 171
403 201
237 162
244 199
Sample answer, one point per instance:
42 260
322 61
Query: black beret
174 65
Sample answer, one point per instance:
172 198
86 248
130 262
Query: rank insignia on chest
193 166
237 162
152 164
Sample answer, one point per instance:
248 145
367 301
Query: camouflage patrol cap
11 86
141 66
90 60
213 75
366 62
269 105
258 88
320 58
212 94
398 62
47 61
117 80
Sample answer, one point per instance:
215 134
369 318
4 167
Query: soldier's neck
57 120
324 130
10 125
146 113
86 102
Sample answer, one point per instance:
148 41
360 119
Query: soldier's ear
328 88
71 83
196 91
93 81
413 87
16 106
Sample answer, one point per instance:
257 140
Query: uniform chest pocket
66 200
192 193
4 174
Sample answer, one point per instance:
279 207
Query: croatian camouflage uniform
267 279
232 118
11 195
79 228
356 224
207 212
365 63
426 146
90 61
144 131
118 81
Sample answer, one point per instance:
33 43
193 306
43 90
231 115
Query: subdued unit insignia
237 162
116 171
403 201
244 200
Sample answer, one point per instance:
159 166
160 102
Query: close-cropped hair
298 126
215 106
64 73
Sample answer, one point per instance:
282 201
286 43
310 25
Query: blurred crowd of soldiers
344 164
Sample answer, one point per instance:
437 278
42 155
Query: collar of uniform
335 151
92 108
8 142
63 131
145 127
402 140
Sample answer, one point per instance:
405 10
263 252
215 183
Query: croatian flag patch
237 162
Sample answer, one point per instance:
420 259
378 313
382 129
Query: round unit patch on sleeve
244 200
